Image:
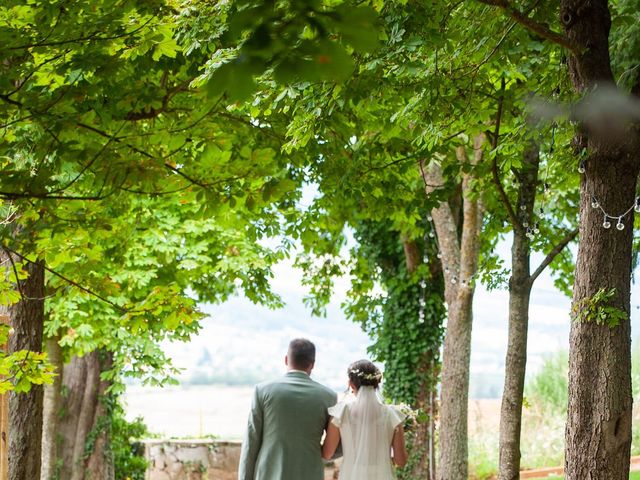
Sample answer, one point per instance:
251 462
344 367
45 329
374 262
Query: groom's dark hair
302 353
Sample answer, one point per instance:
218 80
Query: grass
543 422
632 476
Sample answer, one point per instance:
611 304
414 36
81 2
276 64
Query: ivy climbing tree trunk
459 254
598 432
423 443
83 451
25 409
51 410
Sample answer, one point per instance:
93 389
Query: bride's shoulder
340 407
339 412
397 413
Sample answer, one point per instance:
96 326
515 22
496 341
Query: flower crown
366 376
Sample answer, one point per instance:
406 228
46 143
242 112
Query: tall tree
459 247
526 228
607 148
25 407
92 121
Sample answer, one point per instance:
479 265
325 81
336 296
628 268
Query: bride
371 433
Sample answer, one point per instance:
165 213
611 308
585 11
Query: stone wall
197 460
192 459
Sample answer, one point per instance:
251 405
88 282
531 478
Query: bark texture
598 432
25 409
83 449
519 294
459 255
51 411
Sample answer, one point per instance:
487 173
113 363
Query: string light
532 231
581 167
553 138
607 217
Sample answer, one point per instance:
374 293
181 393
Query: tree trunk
83 451
520 285
51 411
511 408
25 409
598 432
460 262
454 396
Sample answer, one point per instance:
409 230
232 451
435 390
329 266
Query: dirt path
545 472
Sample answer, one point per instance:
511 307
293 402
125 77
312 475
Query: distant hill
243 344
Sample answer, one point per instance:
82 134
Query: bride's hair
364 373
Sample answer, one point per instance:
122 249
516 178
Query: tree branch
44 196
10 101
494 165
72 283
93 36
472 218
530 24
154 112
445 226
553 254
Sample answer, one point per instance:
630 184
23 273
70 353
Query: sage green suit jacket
288 417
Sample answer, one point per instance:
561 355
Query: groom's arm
252 440
338 451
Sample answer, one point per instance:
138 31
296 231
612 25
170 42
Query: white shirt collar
299 371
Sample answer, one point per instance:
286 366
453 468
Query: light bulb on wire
581 167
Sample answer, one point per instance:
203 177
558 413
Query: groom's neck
308 372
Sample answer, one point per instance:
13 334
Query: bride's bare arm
399 454
331 441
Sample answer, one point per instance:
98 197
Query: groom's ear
286 360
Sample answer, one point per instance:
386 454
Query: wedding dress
366 432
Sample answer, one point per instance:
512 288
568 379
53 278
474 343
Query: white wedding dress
366 432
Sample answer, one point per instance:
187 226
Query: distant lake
191 411
220 410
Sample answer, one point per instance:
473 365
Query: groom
288 417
